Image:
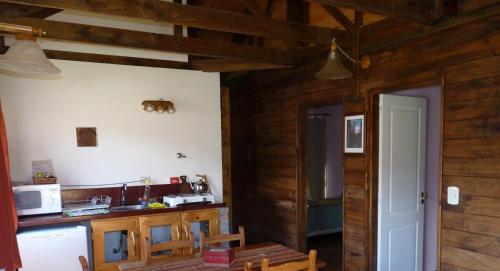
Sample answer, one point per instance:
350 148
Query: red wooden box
218 257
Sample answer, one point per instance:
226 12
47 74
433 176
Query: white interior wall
42 116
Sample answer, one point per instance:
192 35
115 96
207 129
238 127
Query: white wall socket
453 195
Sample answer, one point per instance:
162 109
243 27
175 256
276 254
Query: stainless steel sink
127 208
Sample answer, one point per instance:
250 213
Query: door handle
423 197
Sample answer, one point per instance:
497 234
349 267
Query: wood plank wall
471 161
265 140
265 167
421 62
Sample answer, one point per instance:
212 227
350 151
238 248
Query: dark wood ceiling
225 36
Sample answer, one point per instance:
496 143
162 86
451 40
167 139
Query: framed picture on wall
354 134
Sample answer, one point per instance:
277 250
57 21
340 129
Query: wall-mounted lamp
159 106
25 55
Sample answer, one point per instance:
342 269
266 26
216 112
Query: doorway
409 136
325 183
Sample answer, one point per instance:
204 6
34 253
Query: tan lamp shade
333 69
27 57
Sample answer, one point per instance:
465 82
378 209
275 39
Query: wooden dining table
276 253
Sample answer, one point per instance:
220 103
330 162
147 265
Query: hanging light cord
345 54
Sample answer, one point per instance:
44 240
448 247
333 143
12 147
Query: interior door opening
409 180
325 183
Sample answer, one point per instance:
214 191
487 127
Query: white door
402 133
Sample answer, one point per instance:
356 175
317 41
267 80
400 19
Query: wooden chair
222 238
178 247
309 264
84 263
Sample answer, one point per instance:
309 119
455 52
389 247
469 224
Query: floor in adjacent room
329 250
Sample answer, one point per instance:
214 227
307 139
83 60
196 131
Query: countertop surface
52 219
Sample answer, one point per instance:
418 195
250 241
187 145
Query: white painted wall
41 117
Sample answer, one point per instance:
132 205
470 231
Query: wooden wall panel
268 110
471 161
471 127
265 177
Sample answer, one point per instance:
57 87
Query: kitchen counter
52 219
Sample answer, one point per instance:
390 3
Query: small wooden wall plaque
86 137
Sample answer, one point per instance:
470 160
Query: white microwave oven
37 199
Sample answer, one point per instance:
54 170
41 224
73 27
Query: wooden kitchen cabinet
206 221
109 251
115 241
158 229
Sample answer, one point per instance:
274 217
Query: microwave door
28 201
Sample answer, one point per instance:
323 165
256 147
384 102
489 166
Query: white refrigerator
54 249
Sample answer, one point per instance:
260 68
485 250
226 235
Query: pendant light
334 68
25 56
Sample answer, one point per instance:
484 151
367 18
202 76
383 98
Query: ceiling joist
193 16
340 18
254 8
142 40
401 9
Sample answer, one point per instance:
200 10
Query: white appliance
174 200
55 249
37 199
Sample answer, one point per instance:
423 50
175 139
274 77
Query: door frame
302 171
373 169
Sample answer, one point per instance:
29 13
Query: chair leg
202 242
265 264
248 266
312 260
241 231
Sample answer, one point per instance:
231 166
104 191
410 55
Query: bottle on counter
147 191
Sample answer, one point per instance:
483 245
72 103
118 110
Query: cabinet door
115 241
159 229
206 221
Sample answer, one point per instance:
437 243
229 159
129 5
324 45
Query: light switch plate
453 195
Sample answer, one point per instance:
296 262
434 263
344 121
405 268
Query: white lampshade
333 69
27 57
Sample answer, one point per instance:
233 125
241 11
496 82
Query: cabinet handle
132 235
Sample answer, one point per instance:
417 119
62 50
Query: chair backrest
309 264
222 238
84 263
178 247
248 266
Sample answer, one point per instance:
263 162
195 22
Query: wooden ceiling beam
206 65
254 8
108 59
143 40
118 60
340 18
231 65
193 16
381 7
13 11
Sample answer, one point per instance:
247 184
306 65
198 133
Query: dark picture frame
354 133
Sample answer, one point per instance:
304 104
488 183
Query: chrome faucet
123 199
